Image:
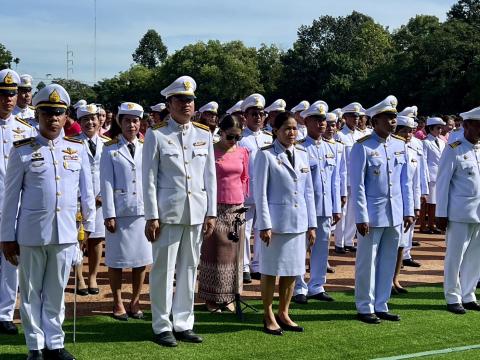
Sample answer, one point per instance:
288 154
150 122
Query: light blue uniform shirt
379 176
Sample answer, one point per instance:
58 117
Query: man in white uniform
180 197
458 212
45 174
12 129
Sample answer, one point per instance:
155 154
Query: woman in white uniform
93 142
121 189
284 200
433 147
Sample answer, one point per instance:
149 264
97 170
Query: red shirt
73 129
232 176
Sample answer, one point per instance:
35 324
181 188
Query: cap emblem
8 79
54 97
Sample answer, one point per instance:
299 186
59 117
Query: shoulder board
105 137
455 144
301 141
71 139
31 107
140 141
266 147
399 138
111 142
336 140
201 126
20 120
23 142
301 148
159 125
363 139
267 132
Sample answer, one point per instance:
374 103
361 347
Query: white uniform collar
47 142
311 140
177 126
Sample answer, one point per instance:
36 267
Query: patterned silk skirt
218 269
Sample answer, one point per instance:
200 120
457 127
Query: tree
76 89
40 85
270 66
151 51
332 56
224 72
5 57
465 10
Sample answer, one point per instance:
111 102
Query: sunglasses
257 113
233 137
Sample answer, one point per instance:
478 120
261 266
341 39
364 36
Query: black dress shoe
339 250
8 327
368 318
188 336
139 315
456 308
387 316
57 354
330 270
35 355
411 263
276 332
401 290
247 279
287 327
82 292
165 338
473 305
93 291
322 296
256 275
435 231
350 249
300 299
415 243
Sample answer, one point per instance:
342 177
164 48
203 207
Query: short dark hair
281 118
230 121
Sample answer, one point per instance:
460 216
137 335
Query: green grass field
331 333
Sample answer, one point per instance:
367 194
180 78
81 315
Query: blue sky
38 32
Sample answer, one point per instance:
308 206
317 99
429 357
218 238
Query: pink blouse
232 176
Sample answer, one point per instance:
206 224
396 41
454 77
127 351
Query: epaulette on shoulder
159 125
455 144
301 141
23 122
23 142
201 126
105 137
267 132
300 147
338 141
266 147
31 107
71 139
399 138
112 142
363 139
140 141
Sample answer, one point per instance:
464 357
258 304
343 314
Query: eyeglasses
257 113
233 137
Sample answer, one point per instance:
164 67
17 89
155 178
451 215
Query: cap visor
8 92
183 96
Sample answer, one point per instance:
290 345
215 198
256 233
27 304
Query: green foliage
76 89
151 51
5 57
465 10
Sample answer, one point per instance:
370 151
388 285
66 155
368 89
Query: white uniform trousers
374 268
250 264
345 229
318 261
177 248
409 237
43 276
8 289
462 268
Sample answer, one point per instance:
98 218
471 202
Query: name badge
374 154
70 157
304 170
199 143
399 152
330 156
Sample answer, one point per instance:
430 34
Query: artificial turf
331 332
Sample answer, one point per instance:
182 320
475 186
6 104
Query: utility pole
95 41
69 62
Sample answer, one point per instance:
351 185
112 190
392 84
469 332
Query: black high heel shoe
287 327
277 332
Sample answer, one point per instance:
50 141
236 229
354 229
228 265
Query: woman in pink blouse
218 270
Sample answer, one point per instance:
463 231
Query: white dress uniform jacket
179 181
26 113
432 153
